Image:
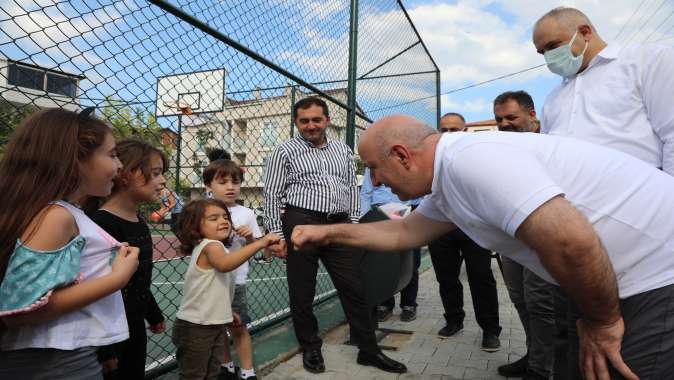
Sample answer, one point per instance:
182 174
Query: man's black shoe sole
368 363
319 370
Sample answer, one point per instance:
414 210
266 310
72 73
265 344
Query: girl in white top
59 296
199 330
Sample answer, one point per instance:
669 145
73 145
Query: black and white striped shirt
302 175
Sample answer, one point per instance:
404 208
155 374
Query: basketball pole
178 149
183 110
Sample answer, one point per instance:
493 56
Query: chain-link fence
198 74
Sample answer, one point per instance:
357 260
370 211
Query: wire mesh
156 76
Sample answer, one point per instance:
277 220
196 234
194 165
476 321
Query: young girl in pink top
60 272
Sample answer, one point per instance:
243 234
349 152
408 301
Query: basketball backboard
200 92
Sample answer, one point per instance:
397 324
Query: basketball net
185 109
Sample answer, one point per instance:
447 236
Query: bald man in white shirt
612 95
594 220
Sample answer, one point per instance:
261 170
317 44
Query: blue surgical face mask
561 61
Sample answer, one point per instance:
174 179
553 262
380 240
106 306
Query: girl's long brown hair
40 165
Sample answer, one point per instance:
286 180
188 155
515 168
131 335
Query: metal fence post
179 152
292 117
351 87
437 99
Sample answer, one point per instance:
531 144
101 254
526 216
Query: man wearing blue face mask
617 96
612 95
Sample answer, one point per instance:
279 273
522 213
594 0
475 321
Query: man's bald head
564 25
399 150
566 18
396 129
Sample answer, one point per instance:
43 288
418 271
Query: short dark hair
189 223
521 97
222 169
218 154
308 102
454 114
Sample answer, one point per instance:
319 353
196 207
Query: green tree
10 116
133 122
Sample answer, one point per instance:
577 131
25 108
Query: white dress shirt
624 99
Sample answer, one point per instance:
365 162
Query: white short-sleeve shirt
488 183
243 216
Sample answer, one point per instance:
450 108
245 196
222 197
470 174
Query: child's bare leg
244 346
227 357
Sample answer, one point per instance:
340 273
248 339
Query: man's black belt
327 216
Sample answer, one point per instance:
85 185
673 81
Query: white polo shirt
488 183
622 100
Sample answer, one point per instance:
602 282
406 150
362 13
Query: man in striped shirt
313 178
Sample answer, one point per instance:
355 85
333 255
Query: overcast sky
477 40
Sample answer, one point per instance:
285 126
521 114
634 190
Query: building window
58 84
270 134
239 134
26 77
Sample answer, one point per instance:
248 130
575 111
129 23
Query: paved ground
426 355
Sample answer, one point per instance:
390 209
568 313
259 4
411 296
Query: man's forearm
390 235
372 236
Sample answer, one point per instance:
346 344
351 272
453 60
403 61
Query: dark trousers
447 253
302 268
199 349
534 300
408 296
563 370
131 352
648 343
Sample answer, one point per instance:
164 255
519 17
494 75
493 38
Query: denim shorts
240 303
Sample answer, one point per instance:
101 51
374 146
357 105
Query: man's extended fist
307 237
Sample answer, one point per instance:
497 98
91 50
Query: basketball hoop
191 93
182 107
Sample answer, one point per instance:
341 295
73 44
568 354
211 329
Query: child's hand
246 232
279 249
125 263
237 320
270 239
158 328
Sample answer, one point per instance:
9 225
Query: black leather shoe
313 361
226 375
532 375
490 342
383 313
450 330
515 369
381 361
409 314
